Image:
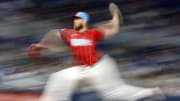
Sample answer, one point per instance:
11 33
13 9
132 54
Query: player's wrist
40 46
37 47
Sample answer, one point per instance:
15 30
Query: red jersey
83 44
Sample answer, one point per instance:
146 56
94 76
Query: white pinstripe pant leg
107 80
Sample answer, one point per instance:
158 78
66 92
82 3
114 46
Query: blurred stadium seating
147 48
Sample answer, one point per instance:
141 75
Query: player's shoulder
97 33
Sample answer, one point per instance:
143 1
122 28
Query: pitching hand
114 9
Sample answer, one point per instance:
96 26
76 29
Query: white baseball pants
103 76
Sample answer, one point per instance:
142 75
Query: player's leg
60 85
111 86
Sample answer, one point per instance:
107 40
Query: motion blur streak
147 50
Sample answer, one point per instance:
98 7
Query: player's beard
78 27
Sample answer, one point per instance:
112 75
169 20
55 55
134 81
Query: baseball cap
82 15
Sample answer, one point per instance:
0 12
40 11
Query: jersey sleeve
98 34
65 35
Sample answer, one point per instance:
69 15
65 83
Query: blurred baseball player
100 70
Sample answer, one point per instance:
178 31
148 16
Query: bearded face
78 24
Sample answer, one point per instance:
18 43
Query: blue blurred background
147 47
